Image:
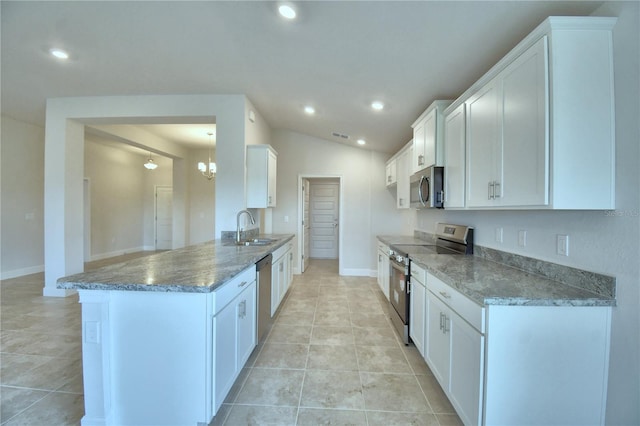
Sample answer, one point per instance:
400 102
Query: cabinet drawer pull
441 320
243 283
445 295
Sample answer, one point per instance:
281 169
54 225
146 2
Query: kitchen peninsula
165 336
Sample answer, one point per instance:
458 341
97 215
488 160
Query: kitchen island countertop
199 268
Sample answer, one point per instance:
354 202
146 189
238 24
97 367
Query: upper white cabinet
403 172
390 172
427 137
261 176
507 141
455 158
540 124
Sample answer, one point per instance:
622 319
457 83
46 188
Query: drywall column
180 214
63 201
64 160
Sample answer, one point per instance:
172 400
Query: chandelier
208 169
150 164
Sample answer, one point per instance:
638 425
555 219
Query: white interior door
306 225
164 218
324 202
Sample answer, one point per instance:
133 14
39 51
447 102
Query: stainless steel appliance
263 270
450 240
426 188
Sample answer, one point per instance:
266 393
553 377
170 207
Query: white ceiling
337 56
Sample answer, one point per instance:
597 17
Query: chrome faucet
253 221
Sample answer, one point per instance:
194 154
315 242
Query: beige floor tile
54 409
295 318
50 375
331 318
387 418
437 399
74 385
332 389
323 335
332 357
416 361
261 415
287 333
15 400
283 355
368 336
382 359
319 416
370 318
393 392
271 386
237 385
449 420
221 415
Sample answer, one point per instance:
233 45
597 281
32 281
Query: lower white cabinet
383 268
281 275
417 308
234 327
511 364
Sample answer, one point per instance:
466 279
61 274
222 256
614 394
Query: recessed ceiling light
361 142
309 110
287 11
59 53
377 105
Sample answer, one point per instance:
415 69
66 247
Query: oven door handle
398 266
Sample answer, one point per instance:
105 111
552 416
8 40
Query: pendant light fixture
150 164
208 169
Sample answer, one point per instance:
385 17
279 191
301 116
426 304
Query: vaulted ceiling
336 56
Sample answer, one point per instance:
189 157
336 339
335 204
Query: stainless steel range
450 240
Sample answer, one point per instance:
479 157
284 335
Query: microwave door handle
420 190
424 198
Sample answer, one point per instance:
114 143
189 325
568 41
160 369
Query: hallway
332 357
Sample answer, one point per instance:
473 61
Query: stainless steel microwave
427 188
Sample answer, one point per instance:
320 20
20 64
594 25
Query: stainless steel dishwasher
263 270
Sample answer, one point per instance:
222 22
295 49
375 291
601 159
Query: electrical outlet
562 245
522 238
286 219
92 332
499 235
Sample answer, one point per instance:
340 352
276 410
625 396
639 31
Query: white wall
22 206
363 194
202 201
600 241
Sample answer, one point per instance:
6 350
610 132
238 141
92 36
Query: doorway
87 219
164 217
320 217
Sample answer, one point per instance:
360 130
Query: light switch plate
499 233
562 245
522 238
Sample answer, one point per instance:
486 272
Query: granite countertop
487 282
200 268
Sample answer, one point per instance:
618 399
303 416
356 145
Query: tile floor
41 353
331 357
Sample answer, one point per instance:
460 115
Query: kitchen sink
253 242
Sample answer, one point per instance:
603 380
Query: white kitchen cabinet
281 273
390 172
383 268
428 137
234 327
261 176
507 142
540 127
511 364
403 171
418 307
455 144
438 351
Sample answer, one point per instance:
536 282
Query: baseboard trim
6 275
119 252
355 272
